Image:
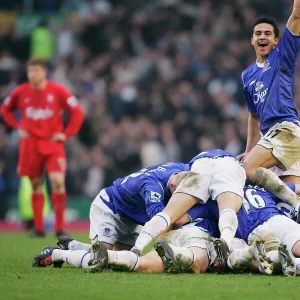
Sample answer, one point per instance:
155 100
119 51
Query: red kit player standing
42 135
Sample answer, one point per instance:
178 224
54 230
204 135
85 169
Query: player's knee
37 185
57 185
296 249
250 173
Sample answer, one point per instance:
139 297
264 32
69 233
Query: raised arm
293 23
253 131
253 135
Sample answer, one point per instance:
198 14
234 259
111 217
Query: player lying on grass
190 248
117 211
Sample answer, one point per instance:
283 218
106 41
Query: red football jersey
41 110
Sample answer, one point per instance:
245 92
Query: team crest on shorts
107 232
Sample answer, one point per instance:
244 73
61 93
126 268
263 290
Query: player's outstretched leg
63 242
167 255
99 257
44 258
287 262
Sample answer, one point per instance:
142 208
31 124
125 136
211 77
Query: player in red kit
42 135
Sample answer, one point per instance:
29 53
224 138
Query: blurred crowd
159 80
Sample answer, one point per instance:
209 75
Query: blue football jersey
258 207
207 225
214 153
206 216
143 194
268 89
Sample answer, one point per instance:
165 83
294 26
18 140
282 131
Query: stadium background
159 81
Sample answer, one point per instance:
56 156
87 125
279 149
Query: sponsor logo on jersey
259 85
27 100
50 98
107 232
261 93
155 196
38 113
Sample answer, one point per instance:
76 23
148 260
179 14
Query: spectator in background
146 78
42 42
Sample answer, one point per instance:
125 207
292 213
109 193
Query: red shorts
35 155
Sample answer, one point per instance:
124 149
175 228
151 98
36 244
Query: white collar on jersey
260 65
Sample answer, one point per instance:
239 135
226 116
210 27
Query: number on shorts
254 199
286 209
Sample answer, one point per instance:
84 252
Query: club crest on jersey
50 98
72 101
267 66
155 197
259 85
261 93
107 232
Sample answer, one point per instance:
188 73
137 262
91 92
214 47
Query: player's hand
23 134
242 156
59 137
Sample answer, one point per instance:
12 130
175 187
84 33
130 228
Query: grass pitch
18 280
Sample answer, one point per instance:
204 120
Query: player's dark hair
37 62
267 20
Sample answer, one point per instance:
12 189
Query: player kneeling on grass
117 213
214 174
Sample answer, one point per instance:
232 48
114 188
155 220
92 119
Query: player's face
36 74
263 39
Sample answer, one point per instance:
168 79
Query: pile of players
201 214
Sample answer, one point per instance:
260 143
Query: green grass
18 280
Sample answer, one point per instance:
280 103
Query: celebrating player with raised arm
268 90
41 103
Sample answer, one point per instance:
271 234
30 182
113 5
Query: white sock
297 262
123 260
77 258
240 259
228 224
76 245
271 182
184 256
152 229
